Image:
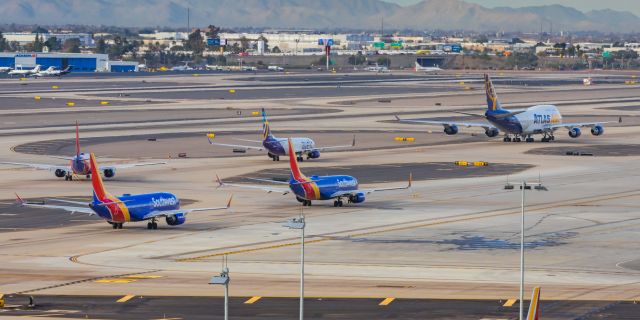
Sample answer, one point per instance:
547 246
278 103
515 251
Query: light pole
299 224
223 279
524 185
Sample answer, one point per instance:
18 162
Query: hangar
81 62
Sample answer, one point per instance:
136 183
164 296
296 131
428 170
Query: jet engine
315 154
492 132
109 173
357 198
60 173
597 130
176 219
575 132
451 130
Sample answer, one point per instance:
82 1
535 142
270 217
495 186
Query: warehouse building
81 62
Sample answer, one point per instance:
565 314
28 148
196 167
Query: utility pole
300 224
188 20
223 279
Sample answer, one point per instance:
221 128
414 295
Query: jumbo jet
126 208
518 124
79 165
277 147
52 72
307 189
24 72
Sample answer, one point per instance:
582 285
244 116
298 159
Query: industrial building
80 62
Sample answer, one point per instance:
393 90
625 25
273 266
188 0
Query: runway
446 248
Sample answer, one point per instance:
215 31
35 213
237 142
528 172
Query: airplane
52 72
277 147
534 306
427 69
79 166
307 189
126 208
184 67
377 68
5 69
24 72
520 124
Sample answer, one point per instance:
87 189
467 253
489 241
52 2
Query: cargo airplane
307 189
79 165
517 124
126 208
277 147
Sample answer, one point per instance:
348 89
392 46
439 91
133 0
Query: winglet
229 202
19 200
534 306
77 139
220 183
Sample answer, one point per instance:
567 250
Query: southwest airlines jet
277 147
128 207
307 189
79 165
519 124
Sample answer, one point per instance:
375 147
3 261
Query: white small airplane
517 124
184 67
5 69
427 69
52 72
24 72
377 68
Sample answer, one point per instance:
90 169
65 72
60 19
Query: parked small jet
24 72
78 165
277 147
52 72
517 124
128 207
307 189
5 69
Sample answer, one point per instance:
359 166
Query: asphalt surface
393 172
13 103
148 307
608 150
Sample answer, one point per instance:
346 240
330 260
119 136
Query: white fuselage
299 144
534 120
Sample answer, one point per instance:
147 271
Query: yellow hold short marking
510 303
125 298
386 301
252 300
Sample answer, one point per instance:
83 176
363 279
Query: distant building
23 38
80 62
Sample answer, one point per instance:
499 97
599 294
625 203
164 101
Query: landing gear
273 156
529 139
306 203
300 158
517 139
548 137
337 203
116 225
506 139
88 176
153 225
68 177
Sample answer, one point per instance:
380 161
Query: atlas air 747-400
307 189
520 124
277 147
128 207
79 165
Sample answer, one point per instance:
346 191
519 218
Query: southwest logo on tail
308 189
535 305
302 147
126 208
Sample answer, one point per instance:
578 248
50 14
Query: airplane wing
367 191
129 165
577 124
39 166
450 123
164 213
268 189
353 144
248 140
70 209
234 145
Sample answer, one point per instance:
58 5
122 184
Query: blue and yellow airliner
126 208
517 125
308 189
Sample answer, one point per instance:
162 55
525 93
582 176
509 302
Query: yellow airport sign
232 90
55 87
480 163
211 135
630 82
461 163
23 79
255 113
405 139
104 103
71 104
37 98
461 83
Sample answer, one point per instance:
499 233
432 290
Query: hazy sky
582 5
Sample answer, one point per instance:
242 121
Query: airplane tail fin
96 180
77 139
492 98
266 131
535 305
293 163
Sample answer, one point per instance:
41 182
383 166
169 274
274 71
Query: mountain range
315 14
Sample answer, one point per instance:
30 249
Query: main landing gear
273 156
527 138
338 203
548 137
68 177
300 158
116 225
152 225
